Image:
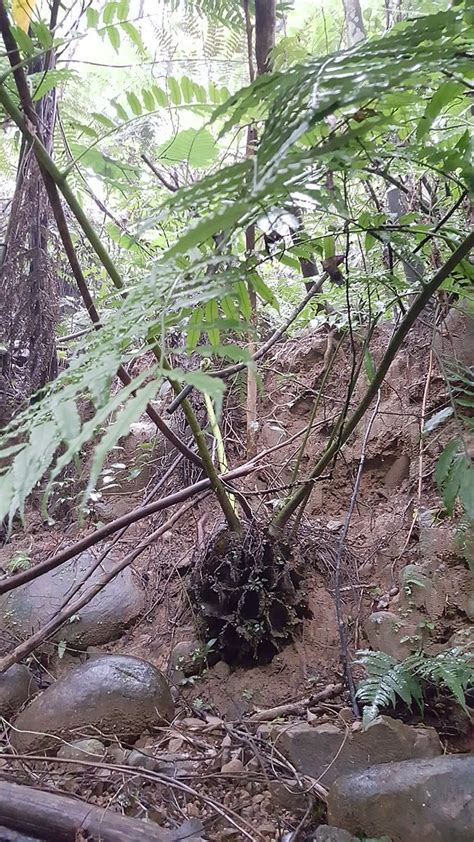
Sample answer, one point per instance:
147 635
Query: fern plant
388 679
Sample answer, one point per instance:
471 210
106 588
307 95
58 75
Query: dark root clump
245 589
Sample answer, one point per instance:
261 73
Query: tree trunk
265 26
28 277
355 29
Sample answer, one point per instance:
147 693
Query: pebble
193 810
267 827
258 798
232 767
346 714
118 755
143 761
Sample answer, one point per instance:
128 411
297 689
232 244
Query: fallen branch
28 646
296 707
78 585
138 514
65 819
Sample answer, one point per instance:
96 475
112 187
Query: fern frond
388 678
454 669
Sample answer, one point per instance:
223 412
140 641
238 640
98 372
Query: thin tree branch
171 187
52 177
340 550
263 350
395 343
26 647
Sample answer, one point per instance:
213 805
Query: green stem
282 517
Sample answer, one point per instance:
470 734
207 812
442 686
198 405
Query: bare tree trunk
265 24
28 277
355 29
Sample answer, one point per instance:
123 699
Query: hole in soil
249 606
210 599
266 651
278 616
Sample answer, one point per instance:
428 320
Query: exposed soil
302 653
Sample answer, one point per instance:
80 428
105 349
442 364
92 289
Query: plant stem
281 519
55 179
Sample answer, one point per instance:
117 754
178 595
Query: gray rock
392 634
289 795
186 659
326 752
325 833
143 761
429 800
118 755
17 685
81 750
438 541
9 835
26 609
116 695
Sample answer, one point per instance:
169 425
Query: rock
8 835
81 750
346 714
267 828
17 685
312 750
438 541
187 658
390 633
470 607
143 761
325 833
430 800
398 471
289 795
434 584
116 695
273 434
104 618
454 339
221 670
232 767
118 755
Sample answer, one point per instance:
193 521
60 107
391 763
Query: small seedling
20 561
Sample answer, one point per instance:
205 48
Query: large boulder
17 685
112 610
116 696
326 752
430 800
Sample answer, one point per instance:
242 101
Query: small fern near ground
388 679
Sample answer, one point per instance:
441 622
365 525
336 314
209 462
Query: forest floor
232 777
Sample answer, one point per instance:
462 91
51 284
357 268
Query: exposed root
248 594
